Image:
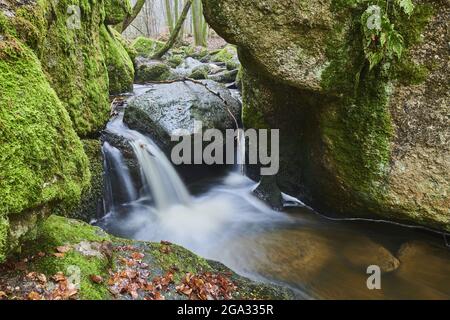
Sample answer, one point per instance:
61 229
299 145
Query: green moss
41 157
225 55
4 228
146 47
59 231
183 260
116 11
357 127
120 66
175 60
73 61
200 72
155 71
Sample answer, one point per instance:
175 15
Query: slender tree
174 35
169 15
121 27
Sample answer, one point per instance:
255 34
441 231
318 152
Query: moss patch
146 47
120 65
116 11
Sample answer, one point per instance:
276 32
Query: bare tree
174 35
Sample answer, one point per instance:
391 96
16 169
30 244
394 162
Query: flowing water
220 219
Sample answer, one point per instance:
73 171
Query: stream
220 219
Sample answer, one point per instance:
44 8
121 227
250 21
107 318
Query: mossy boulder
353 141
88 251
146 47
227 55
119 63
66 37
151 70
116 11
42 164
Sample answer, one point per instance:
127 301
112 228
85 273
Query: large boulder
42 164
165 108
354 140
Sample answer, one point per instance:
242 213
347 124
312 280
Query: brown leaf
59 255
96 279
59 277
42 278
137 255
34 296
63 249
2 295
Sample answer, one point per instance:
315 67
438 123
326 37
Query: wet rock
269 192
187 67
148 70
169 107
91 205
225 76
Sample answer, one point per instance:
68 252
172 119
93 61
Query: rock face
54 85
168 107
354 141
42 160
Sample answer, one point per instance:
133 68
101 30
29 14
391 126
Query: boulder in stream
165 108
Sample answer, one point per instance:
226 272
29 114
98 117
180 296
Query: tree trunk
175 32
121 27
169 15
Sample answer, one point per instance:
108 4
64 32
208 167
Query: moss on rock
146 47
90 251
120 66
116 11
42 160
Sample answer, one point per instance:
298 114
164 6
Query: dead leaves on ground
206 286
36 286
133 279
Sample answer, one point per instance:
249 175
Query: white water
203 224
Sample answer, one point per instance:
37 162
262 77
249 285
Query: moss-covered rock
116 11
71 56
89 251
42 163
119 63
146 47
91 206
354 140
151 70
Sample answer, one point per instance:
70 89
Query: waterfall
166 186
119 185
161 181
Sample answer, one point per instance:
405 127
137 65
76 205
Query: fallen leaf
63 249
96 279
59 255
33 295
137 255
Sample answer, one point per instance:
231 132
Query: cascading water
228 224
